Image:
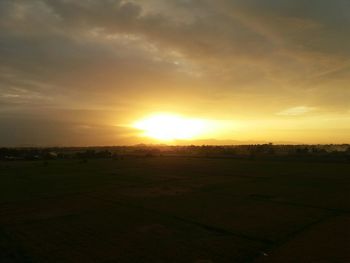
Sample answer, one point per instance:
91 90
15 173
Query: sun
168 127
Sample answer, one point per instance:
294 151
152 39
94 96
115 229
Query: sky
76 73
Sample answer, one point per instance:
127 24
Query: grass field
173 209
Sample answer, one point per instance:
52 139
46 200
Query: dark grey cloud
267 35
60 127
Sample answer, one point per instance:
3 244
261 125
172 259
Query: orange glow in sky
168 127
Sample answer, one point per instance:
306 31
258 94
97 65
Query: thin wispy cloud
296 111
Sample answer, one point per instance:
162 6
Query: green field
173 209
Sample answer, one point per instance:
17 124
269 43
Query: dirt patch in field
325 242
157 191
155 229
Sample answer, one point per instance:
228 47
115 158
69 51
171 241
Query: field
174 209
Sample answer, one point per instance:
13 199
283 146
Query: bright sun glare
167 127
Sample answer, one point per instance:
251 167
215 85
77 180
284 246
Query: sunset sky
92 72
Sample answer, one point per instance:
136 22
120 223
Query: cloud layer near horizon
102 63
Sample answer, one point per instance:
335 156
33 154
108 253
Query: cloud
56 127
296 111
225 39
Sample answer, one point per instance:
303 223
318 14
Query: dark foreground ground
168 209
